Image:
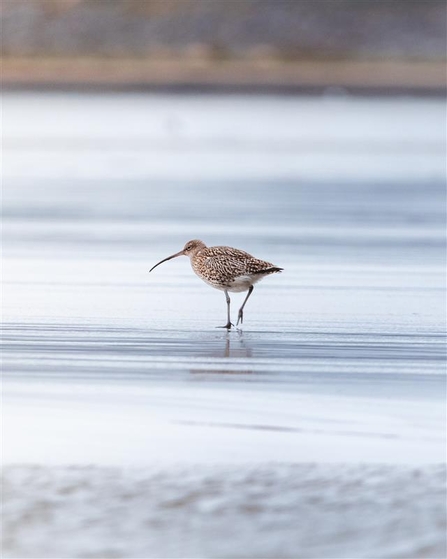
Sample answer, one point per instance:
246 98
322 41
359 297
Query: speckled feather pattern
229 268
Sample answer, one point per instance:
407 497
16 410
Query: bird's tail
272 270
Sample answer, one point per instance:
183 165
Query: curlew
225 268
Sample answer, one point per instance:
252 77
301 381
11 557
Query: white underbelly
239 284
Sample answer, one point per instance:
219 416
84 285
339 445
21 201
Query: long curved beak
168 258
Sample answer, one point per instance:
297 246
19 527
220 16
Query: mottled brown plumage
225 268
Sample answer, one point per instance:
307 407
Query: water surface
341 357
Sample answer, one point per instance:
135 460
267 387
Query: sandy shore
202 73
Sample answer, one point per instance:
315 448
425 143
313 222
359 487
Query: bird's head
191 248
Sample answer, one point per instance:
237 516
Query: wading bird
227 269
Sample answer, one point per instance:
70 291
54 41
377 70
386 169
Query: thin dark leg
228 325
240 315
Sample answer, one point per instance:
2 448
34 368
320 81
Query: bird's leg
228 325
240 315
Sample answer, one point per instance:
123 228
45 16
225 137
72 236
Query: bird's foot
228 326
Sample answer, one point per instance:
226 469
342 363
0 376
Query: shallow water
341 357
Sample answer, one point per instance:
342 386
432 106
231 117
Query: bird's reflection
233 348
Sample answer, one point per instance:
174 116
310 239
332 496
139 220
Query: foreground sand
273 510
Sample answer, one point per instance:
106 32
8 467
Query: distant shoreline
229 76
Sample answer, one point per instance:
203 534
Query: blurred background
292 44
189 115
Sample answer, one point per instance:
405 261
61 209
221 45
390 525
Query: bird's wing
225 266
226 263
